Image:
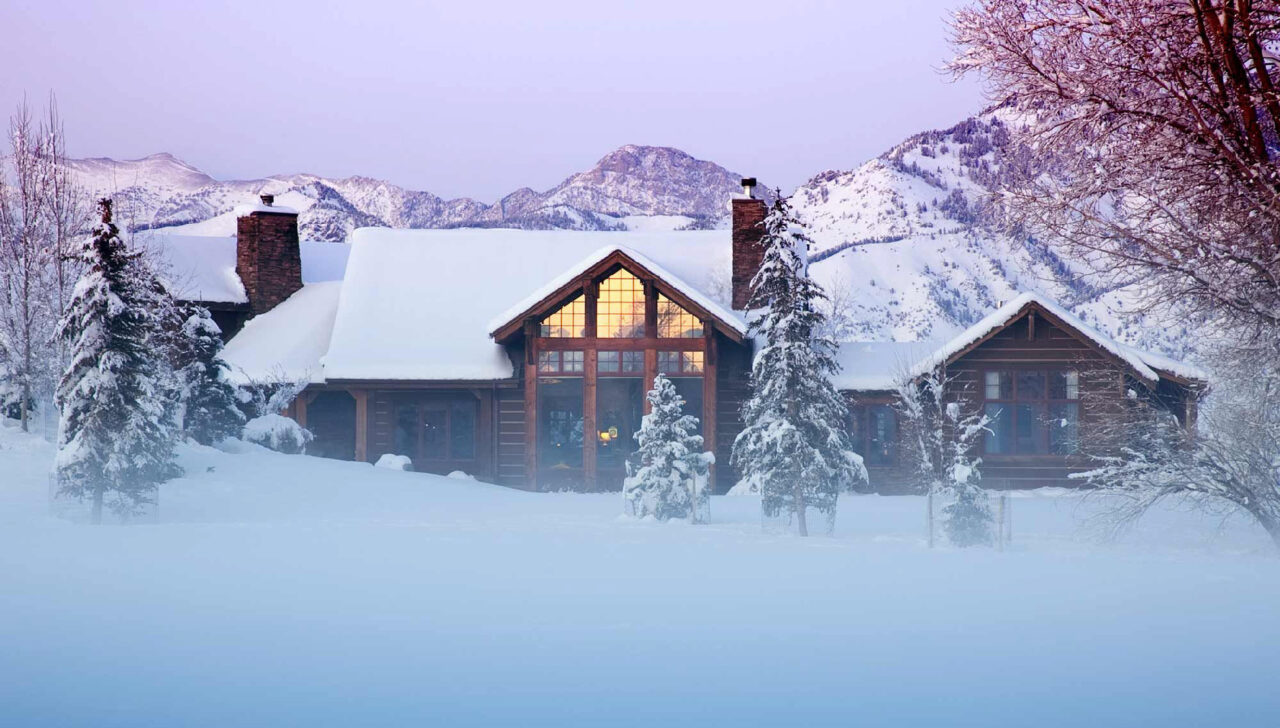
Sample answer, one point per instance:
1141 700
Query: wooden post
650 371
300 409
362 424
531 424
709 399
589 420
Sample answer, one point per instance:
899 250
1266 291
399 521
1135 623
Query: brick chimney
748 254
268 259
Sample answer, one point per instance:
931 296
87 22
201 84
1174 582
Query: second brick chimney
268 258
748 253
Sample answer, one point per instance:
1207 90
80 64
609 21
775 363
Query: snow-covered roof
419 304
878 365
289 341
203 268
242 210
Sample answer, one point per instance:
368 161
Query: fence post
929 517
1000 523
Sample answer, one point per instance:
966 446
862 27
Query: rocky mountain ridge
161 191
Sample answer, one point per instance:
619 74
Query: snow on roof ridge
712 306
1009 311
243 210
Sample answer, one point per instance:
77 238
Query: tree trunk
802 510
1272 526
97 506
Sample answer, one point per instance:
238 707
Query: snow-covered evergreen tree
966 519
795 449
670 480
210 411
939 439
115 441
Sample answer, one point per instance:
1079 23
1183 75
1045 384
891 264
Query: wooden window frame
421 408
1046 402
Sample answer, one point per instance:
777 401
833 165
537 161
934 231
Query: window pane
999 385
571 361
570 321
691 362
633 362
559 427
1064 385
406 435
462 430
999 439
1030 385
1029 428
549 361
881 434
1064 428
620 307
676 323
607 362
433 429
691 389
669 362
619 409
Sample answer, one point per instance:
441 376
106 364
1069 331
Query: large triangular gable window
620 308
567 322
674 322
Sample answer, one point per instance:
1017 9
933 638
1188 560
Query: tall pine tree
795 449
671 479
210 410
115 440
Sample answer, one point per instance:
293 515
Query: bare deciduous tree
1146 455
42 211
1152 135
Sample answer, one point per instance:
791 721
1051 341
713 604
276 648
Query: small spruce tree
670 480
795 449
967 519
115 440
211 413
939 440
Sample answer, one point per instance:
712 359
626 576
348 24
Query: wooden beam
589 420
362 424
1031 325
709 402
650 371
531 423
300 409
650 309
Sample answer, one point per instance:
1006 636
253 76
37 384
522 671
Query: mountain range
631 186
910 257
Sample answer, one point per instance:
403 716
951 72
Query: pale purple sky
479 98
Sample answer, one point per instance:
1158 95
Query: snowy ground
277 590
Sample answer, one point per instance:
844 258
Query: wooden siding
512 441
733 370
1033 342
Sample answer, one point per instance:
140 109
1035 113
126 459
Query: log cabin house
522 357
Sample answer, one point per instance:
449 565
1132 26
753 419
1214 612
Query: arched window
569 321
620 308
676 323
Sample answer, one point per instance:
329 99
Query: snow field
289 590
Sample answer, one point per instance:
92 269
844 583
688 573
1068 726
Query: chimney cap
749 186
267 200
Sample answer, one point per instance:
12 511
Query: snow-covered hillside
634 186
907 258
